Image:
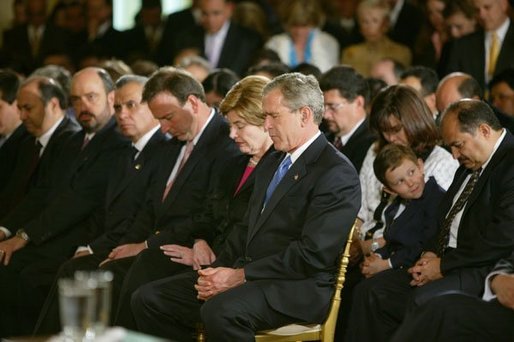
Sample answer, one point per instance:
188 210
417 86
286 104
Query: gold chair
308 332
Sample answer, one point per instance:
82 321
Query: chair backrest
329 326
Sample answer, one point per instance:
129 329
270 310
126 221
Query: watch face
374 246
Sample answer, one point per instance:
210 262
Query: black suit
459 58
9 154
459 317
109 44
50 170
59 226
408 25
137 45
18 46
287 250
238 49
485 235
174 220
357 146
344 37
128 182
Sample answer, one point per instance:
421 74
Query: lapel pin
137 166
296 177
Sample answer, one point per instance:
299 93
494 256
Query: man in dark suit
128 183
425 81
457 86
345 95
223 42
48 224
475 227
460 317
42 104
31 42
405 22
102 36
12 132
344 26
494 20
305 201
145 39
178 193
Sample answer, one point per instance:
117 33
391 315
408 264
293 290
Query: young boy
411 218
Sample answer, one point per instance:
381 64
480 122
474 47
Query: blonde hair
245 98
381 5
301 12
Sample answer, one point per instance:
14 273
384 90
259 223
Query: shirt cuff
389 262
488 292
84 248
6 231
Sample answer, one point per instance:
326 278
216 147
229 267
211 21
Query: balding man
457 86
491 48
59 221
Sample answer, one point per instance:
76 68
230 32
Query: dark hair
427 78
459 6
347 81
469 88
307 69
391 157
506 76
410 109
126 79
471 114
273 68
48 89
220 81
375 86
58 73
180 84
9 84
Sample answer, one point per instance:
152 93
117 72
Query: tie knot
286 163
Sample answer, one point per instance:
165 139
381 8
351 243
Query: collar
222 32
45 137
199 135
299 151
496 146
395 11
141 143
345 137
501 32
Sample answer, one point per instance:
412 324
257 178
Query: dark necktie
85 142
391 211
134 153
187 152
338 143
277 177
444 233
377 215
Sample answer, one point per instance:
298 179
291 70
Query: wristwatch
21 234
374 246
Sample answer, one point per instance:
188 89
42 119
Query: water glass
76 308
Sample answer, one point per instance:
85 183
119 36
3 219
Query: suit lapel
506 55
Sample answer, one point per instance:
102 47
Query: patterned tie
444 233
338 143
279 174
189 149
494 51
85 142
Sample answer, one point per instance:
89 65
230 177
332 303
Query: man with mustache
60 204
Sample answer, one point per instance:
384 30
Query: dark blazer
486 230
344 37
467 54
291 248
17 45
126 189
357 146
57 227
137 46
50 169
9 154
408 25
416 225
110 44
238 49
160 222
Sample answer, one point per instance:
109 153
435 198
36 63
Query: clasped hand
124 251
426 269
8 247
212 281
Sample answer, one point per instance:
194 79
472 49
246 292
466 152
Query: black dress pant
458 318
169 308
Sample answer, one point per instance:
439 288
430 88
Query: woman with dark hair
217 84
399 115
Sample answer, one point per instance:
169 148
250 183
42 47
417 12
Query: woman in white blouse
399 115
303 41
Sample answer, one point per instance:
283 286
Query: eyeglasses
334 106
